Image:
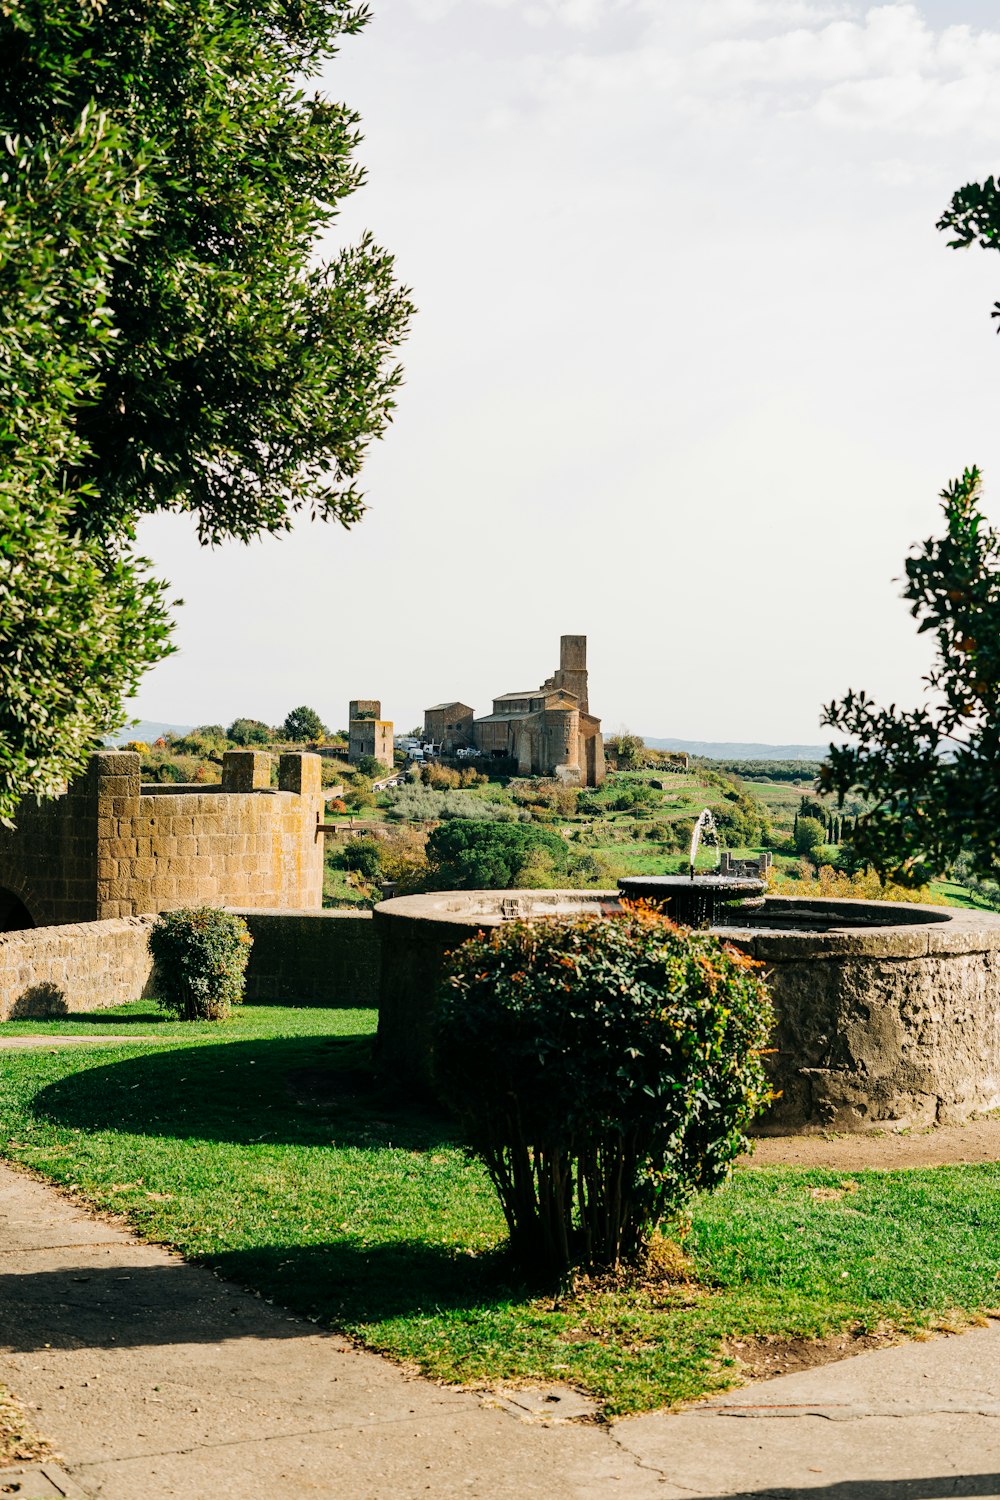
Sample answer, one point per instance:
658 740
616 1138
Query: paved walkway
156 1381
57 1039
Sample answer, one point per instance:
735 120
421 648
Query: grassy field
265 1146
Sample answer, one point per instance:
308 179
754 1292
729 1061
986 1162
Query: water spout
704 824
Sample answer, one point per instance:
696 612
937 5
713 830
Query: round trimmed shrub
605 1069
201 959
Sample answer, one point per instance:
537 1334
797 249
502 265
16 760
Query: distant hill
738 750
147 731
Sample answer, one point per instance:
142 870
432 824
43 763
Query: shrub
605 1069
368 765
249 732
474 854
809 834
364 857
201 958
440 778
419 803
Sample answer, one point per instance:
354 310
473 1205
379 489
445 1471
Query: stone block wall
49 861
52 971
313 958
111 847
298 958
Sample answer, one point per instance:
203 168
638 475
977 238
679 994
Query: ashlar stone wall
111 847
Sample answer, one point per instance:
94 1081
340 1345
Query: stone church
548 731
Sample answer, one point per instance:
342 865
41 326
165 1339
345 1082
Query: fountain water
699 900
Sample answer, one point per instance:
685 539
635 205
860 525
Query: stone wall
887 1016
313 958
111 847
51 971
298 958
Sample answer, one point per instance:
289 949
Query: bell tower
572 673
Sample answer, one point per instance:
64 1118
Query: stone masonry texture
111 847
297 958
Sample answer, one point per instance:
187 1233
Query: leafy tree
628 748
933 774
245 381
809 807
167 339
303 724
369 766
364 857
249 732
808 836
80 620
471 854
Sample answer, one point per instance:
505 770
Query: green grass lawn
264 1146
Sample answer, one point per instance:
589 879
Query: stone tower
572 673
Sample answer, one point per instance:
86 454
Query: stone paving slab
154 1379
39 1482
915 1422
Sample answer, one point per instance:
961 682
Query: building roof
529 693
499 718
439 707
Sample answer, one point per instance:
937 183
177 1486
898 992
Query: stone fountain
704 900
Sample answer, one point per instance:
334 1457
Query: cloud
882 69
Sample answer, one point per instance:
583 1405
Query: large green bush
605 1069
476 854
201 958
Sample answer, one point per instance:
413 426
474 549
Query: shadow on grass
100 1018
308 1091
140 1305
346 1285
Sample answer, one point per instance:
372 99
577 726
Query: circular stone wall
888 1015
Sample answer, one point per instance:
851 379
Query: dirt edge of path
972 1143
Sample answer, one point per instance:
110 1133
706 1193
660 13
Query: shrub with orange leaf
605 1068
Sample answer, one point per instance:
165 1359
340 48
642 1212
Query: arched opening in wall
14 915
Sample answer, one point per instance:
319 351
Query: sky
690 367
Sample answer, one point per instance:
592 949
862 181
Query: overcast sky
690 367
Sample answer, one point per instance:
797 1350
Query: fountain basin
698 900
888 1015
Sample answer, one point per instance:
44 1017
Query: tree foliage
473 854
167 339
605 1069
249 732
245 381
80 619
303 723
932 774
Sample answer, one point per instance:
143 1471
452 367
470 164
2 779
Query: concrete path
39 1039
155 1380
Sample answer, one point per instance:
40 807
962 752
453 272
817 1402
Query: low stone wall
313 958
52 971
415 933
298 958
896 1024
